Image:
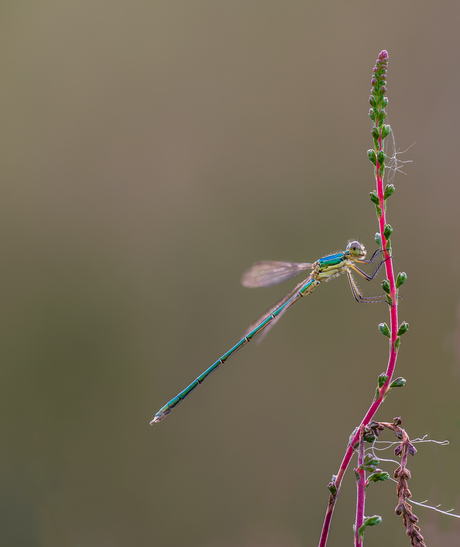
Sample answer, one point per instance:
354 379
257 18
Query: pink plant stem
390 367
361 492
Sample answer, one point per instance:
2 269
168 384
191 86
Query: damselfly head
356 250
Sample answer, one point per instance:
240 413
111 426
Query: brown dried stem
402 475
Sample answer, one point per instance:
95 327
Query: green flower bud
388 191
369 437
372 521
372 156
381 156
401 279
378 476
370 460
399 382
383 328
382 379
403 328
386 286
388 230
386 128
332 487
374 197
369 521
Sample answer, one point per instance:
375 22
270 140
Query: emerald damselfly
267 273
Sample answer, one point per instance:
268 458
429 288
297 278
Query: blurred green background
151 151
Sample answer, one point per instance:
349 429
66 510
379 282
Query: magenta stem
390 367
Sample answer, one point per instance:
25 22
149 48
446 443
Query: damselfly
267 273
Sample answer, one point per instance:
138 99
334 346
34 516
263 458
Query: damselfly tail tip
157 419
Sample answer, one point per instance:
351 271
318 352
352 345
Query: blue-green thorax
332 265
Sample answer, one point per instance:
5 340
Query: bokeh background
151 151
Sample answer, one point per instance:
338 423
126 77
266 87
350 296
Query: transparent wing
268 273
264 316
